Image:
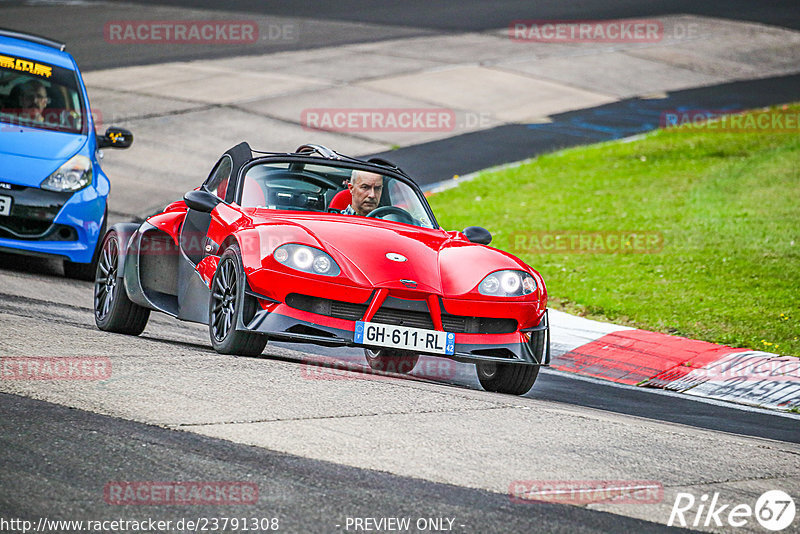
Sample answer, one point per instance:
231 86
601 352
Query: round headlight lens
528 285
281 255
322 264
307 259
490 285
510 282
302 258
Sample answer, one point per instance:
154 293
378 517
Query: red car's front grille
389 314
413 319
478 325
346 310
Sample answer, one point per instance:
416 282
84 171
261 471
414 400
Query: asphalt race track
324 446
306 495
331 23
312 432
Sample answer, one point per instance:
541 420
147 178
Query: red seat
341 200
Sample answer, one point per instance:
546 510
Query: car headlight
306 259
71 176
507 284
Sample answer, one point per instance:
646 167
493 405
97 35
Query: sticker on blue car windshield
25 65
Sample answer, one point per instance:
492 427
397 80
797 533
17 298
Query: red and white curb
648 359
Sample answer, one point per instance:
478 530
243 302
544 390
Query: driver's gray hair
356 173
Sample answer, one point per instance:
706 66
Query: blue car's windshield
39 95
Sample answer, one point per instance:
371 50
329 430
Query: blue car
53 193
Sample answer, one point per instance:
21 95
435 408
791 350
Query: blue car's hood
28 155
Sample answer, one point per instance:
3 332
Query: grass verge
726 204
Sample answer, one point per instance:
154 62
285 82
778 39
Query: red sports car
317 247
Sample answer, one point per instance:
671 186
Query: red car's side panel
225 220
207 267
170 221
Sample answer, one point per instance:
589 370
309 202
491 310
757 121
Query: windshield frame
351 164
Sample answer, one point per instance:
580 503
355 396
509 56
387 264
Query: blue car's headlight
75 174
306 259
507 284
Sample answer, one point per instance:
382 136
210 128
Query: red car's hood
435 260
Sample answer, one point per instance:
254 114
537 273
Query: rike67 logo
774 510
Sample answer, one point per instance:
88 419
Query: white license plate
5 205
404 337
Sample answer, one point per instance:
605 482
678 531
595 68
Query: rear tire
113 310
513 379
391 361
227 297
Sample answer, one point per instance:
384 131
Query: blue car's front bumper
45 223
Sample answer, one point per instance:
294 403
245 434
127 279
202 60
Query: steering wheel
392 210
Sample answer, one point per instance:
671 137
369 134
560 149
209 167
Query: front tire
113 310
227 299
513 379
391 361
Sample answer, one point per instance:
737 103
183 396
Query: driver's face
365 189
34 98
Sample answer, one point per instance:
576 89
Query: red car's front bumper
294 309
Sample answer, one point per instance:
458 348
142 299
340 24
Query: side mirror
115 138
476 234
201 200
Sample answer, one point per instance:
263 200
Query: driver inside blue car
365 191
31 100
